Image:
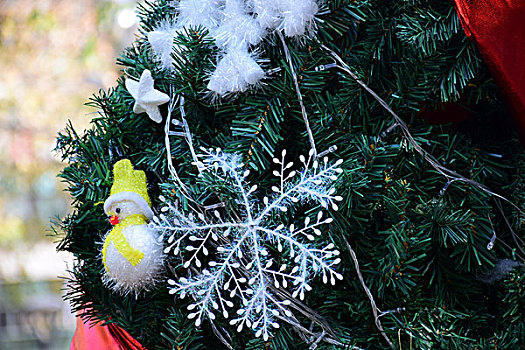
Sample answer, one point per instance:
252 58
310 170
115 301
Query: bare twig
393 311
171 168
517 240
370 297
188 136
182 187
299 95
449 174
219 335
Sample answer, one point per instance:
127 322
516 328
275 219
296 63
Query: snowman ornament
131 253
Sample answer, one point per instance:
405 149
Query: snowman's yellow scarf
134 256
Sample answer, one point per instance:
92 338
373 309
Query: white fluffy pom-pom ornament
238 28
161 41
199 13
235 72
298 16
267 12
132 254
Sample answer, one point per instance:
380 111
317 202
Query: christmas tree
299 195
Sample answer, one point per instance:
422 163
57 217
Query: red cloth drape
498 29
89 336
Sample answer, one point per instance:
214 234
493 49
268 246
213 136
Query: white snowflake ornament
246 257
147 99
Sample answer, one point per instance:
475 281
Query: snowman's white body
125 276
131 236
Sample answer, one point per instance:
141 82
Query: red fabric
89 336
498 28
452 113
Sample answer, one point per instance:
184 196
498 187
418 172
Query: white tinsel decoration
267 13
199 13
238 29
244 269
236 71
298 16
161 40
237 26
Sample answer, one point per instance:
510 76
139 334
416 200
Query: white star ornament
147 99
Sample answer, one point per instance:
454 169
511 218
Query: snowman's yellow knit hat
129 185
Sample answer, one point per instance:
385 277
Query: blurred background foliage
54 54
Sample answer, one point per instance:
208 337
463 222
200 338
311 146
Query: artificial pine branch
420 238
